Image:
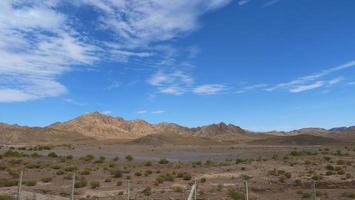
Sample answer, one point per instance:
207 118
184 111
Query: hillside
14 134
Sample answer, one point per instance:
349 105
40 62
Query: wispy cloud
313 81
141 111
156 112
251 87
243 2
39 43
302 88
270 3
74 102
179 82
209 89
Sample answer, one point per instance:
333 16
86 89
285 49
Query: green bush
129 158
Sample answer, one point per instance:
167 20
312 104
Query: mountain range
97 127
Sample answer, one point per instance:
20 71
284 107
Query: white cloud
158 112
209 89
251 87
39 43
142 22
313 81
179 82
270 3
302 88
74 102
35 49
335 81
142 112
243 2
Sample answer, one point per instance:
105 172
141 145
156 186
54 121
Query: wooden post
246 192
314 192
195 189
128 190
19 186
72 188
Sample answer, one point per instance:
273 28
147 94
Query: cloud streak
39 42
313 81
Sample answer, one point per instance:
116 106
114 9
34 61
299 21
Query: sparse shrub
147 191
94 184
60 172
46 179
116 173
84 172
235 195
6 197
11 153
129 158
163 161
148 164
52 155
70 168
115 159
330 167
203 180
148 172
350 195
178 189
87 158
297 153
7 183
138 174
100 160
187 176
80 183
30 183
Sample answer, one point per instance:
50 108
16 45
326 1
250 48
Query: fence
193 194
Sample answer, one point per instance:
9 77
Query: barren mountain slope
14 134
103 127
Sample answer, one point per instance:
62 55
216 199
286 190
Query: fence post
72 188
19 186
128 190
246 192
314 192
195 189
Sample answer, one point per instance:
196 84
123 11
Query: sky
259 64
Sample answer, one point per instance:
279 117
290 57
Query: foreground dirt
167 172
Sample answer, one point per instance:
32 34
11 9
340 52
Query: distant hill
14 134
103 127
99 127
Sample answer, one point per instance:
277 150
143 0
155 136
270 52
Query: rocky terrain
97 127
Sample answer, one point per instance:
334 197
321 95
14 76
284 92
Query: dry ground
167 172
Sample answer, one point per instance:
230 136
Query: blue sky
260 64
